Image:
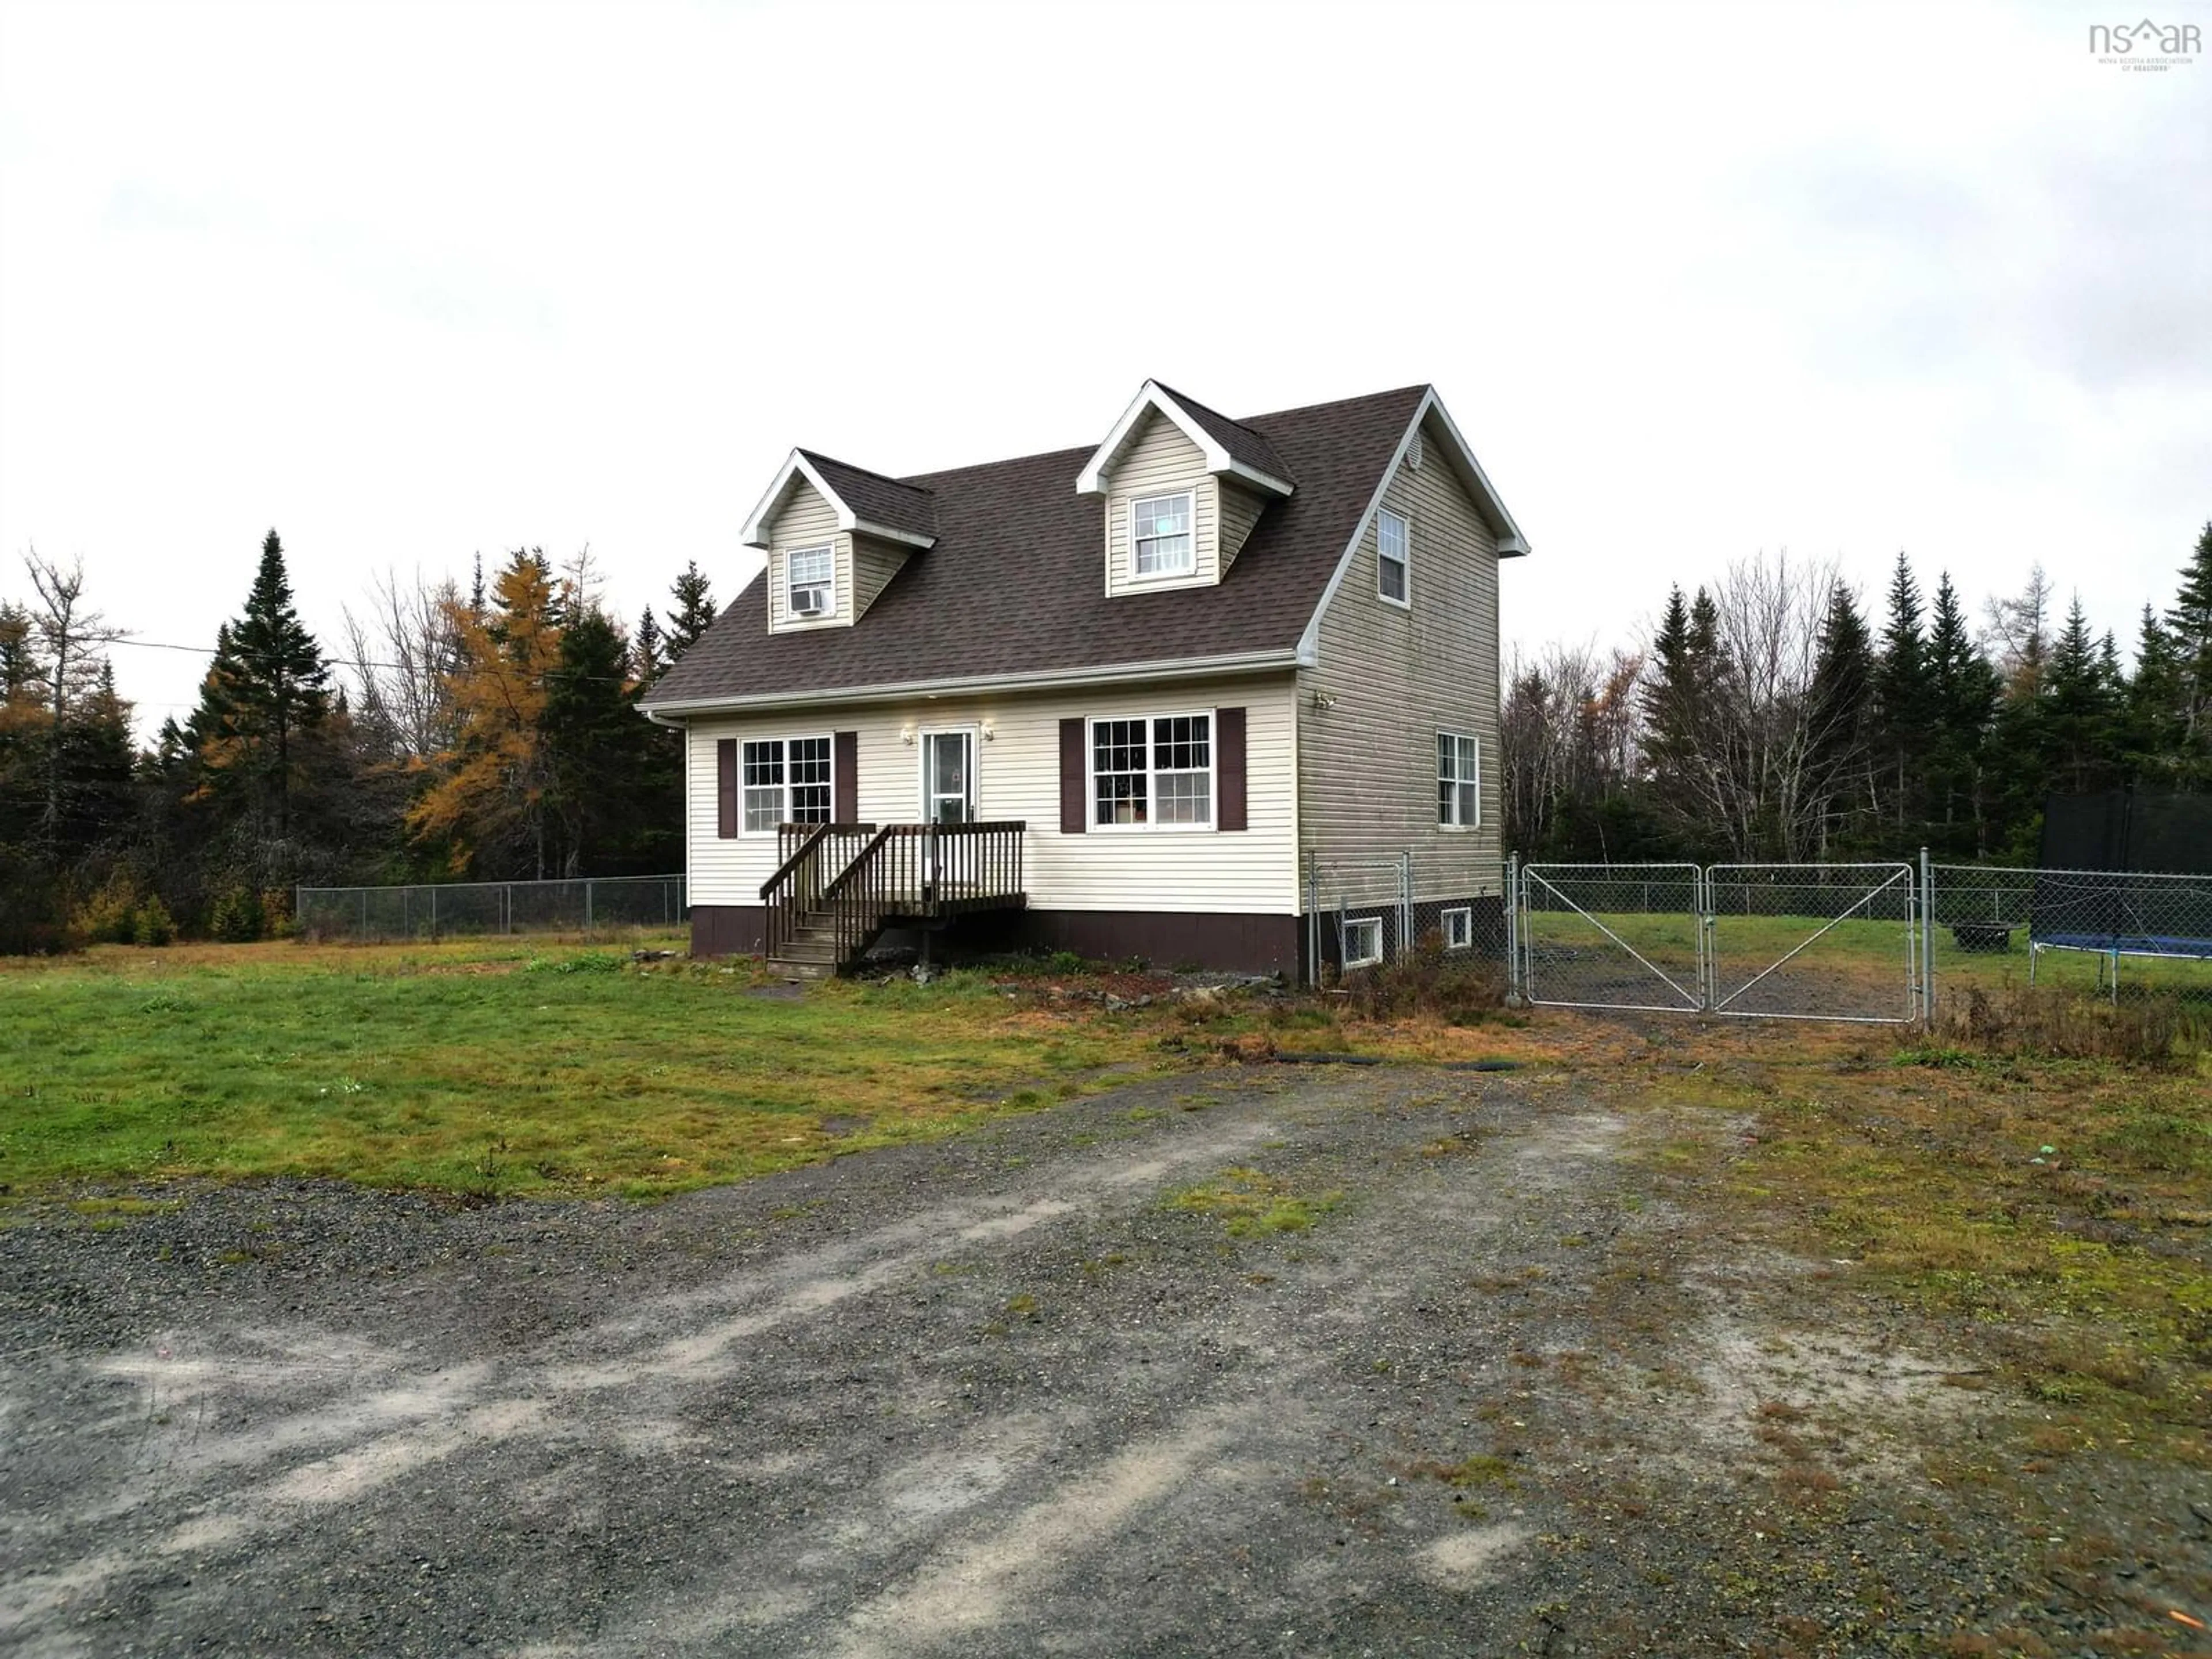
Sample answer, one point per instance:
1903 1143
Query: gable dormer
1183 487
835 535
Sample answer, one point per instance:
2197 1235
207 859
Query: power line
353 662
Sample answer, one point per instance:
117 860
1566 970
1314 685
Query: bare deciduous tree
405 650
69 638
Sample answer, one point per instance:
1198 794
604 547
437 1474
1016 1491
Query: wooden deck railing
924 872
809 857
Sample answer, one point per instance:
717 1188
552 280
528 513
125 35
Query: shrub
2049 1023
152 924
110 916
236 916
1459 989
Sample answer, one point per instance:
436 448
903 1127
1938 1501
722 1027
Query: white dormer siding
806 520
1159 460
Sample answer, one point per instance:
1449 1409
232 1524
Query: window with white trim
786 780
1363 941
811 577
1459 928
1157 771
1394 542
1459 782
1160 541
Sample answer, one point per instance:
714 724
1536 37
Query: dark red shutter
1074 780
725 786
845 777
1229 766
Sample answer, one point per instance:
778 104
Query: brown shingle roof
875 499
1016 582
1242 442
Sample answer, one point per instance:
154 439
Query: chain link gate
1801 941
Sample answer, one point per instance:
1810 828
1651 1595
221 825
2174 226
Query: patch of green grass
1251 1205
495 1067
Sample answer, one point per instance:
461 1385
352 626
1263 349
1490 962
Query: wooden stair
810 950
839 885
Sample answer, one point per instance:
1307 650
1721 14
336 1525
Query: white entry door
948 777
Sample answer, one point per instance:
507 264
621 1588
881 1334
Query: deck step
794 968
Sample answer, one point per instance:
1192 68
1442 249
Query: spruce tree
2152 727
1842 709
1902 688
2190 623
267 687
693 615
2080 706
1963 695
651 645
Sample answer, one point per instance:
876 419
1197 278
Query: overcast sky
414 282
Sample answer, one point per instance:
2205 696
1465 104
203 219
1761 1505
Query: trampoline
2108 903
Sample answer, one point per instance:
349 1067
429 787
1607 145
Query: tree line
1769 717
491 734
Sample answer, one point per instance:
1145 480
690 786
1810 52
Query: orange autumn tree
492 796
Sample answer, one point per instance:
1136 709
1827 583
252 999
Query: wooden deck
839 885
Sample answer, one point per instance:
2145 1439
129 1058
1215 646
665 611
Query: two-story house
1109 700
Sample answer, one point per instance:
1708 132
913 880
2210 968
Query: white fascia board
1091 480
885 533
1181 668
797 465
1511 543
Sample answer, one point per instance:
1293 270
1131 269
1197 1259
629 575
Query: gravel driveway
994 1396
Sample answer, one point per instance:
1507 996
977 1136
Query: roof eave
1208 667
755 533
1091 480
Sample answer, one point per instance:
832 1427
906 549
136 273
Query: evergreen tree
2152 729
594 751
2190 623
268 687
694 613
2080 706
1963 695
1903 701
652 647
1842 711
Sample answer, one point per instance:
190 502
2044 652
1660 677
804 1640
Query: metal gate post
1511 903
1313 919
1405 905
587 907
434 913
1927 939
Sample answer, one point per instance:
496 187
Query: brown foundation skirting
1164 938
728 930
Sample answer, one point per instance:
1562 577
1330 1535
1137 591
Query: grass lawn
496 1067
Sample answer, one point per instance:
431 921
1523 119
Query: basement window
1362 942
1459 929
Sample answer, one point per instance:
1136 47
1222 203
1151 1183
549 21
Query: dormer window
1160 532
813 580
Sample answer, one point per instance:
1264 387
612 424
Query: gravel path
999 1396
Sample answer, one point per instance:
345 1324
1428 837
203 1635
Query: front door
948 777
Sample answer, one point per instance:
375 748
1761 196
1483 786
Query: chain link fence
599 904
2117 935
1365 909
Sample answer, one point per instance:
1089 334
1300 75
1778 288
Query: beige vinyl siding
806 520
1247 871
1240 511
1158 460
874 563
1367 763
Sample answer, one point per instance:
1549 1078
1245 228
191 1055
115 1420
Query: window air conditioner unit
810 602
